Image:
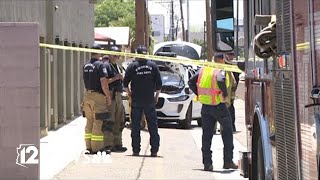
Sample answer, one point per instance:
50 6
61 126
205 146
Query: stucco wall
24 11
19 98
72 20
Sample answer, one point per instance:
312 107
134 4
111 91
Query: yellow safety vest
208 90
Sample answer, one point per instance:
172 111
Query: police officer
211 91
145 79
116 108
95 102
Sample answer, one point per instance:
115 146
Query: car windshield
171 79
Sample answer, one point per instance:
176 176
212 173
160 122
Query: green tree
112 13
201 43
118 13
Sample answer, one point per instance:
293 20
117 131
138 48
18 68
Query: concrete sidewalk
180 156
61 147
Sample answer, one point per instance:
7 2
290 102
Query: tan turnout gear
96 112
117 114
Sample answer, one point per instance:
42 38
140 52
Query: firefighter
234 81
145 79
95 103
116 108
210 87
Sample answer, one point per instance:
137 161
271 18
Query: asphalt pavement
179 155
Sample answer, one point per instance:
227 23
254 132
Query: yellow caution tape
226 67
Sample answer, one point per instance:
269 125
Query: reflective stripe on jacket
208 90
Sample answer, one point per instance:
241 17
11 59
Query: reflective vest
208 90
230 84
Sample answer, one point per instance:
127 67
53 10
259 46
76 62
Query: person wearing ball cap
210 86
117 109
141 49
145 79
95 103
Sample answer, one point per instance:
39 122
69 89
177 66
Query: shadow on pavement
173 125
167 125
222 171
144 156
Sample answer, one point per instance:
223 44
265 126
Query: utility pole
182 22
172 21
237 32
146 27
140 22
204 34
204 37
188 22
209 32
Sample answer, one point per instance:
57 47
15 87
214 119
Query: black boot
208 167
107 149
119 149
88 151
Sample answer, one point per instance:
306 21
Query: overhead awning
100 37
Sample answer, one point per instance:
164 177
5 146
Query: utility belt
97 91
114 92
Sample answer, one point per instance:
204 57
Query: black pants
233 118
152 121
210 115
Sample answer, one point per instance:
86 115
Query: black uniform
113 70
95 106
92 72
145 78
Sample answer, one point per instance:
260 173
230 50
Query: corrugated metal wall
69 23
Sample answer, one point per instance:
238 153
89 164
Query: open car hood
172 82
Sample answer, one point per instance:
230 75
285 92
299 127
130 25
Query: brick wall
19 97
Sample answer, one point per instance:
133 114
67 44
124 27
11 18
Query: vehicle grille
161 114
283 26
287 26
279 26
171 89
285 128
160 103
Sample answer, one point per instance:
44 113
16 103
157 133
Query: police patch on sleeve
105 70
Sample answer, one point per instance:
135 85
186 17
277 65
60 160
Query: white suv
176 99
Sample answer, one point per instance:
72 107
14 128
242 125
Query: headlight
180 98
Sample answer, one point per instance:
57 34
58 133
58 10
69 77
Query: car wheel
199 121
186 124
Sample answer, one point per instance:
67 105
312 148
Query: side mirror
223 25
224 38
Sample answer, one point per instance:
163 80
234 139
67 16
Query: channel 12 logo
27 154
